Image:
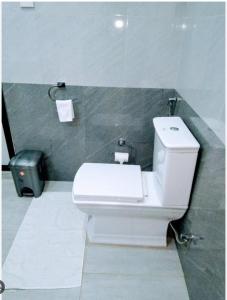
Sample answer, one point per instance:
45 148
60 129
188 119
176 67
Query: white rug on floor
48 250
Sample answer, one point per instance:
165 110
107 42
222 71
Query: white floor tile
117 260
118 287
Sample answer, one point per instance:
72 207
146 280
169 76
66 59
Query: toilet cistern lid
175 135
108 182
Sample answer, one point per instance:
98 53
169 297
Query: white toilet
127 206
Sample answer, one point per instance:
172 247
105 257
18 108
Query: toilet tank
174 161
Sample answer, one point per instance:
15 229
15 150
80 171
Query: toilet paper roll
121 157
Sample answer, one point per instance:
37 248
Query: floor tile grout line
135 275
84 261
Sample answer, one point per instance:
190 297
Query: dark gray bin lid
26 158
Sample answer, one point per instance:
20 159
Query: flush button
174 128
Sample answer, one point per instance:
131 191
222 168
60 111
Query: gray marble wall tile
208 224
7 86
102 116
203 263
100 152
28 113
207 262
210 287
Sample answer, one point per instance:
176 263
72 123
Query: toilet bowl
130 207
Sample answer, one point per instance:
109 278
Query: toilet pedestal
127 231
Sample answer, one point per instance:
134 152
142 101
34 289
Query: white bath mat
48 250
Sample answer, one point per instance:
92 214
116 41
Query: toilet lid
108 182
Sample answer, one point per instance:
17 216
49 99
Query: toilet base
127 231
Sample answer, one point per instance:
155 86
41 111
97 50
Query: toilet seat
127 186
108 183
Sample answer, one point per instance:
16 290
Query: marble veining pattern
142 53
203 263
102 116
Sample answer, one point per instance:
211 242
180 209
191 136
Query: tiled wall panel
204 262
102 116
